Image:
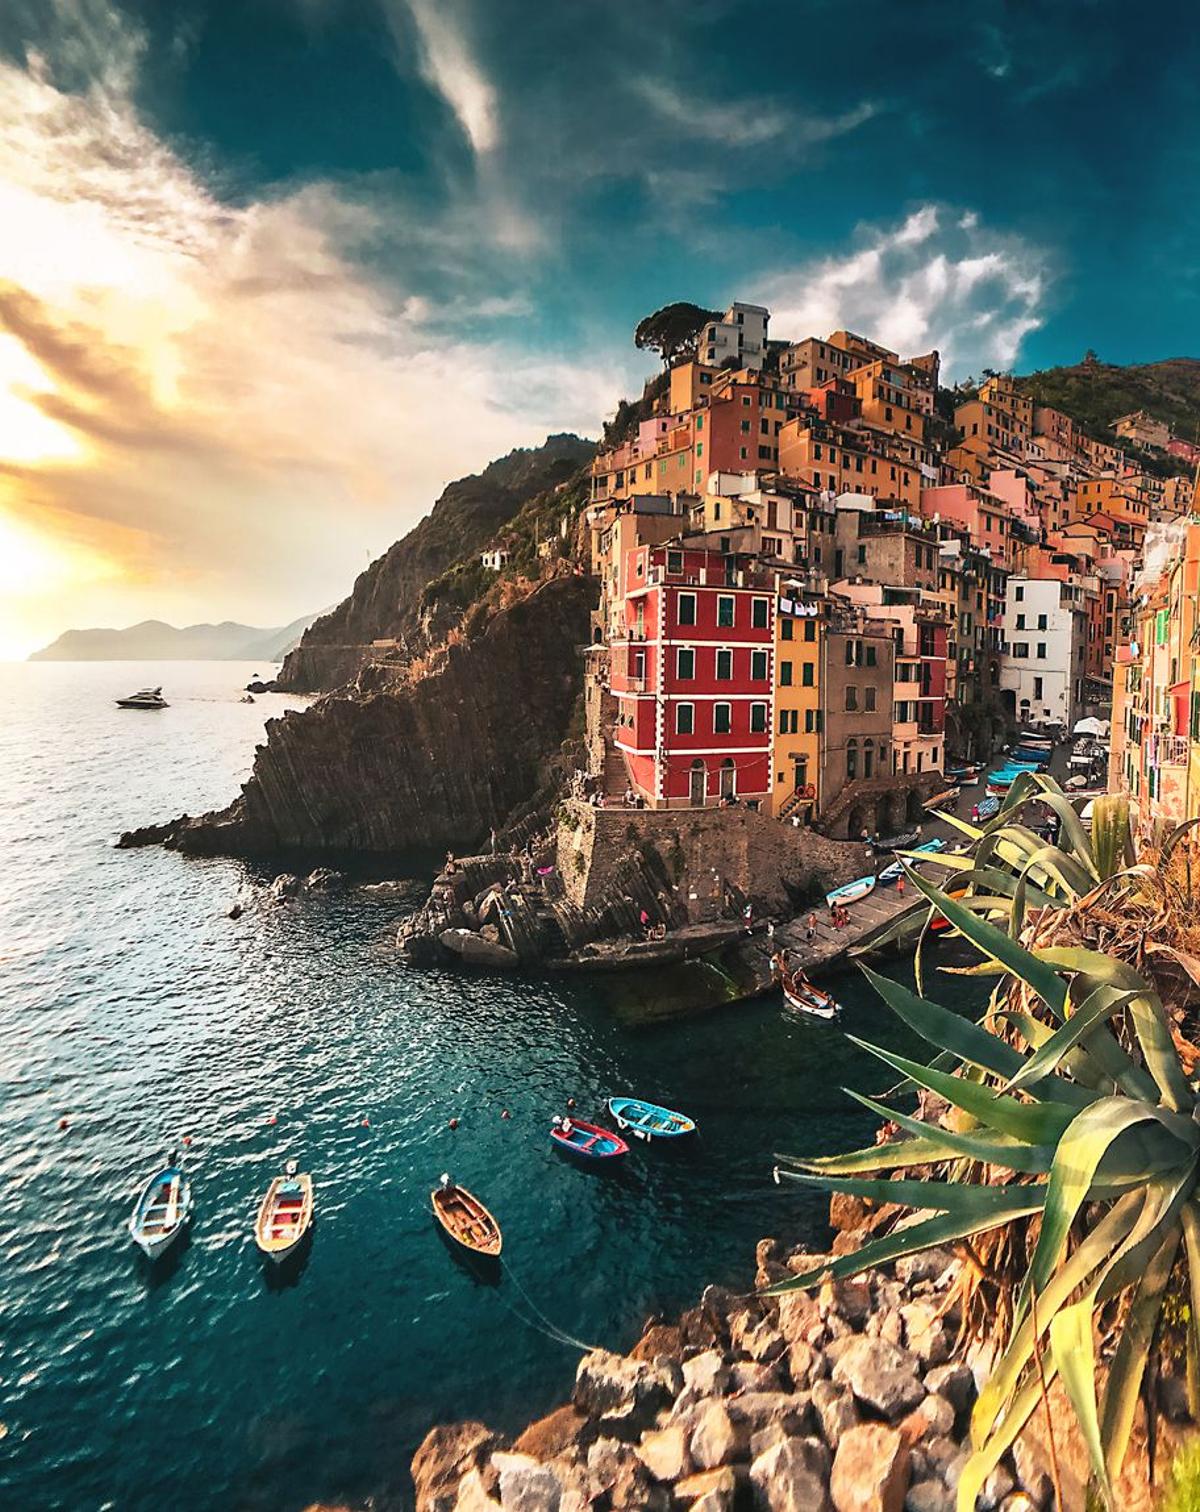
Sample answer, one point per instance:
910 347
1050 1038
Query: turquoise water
132 1005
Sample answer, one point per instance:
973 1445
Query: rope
545 1325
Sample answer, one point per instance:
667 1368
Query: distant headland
153 640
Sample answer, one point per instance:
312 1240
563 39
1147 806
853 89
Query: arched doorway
697 784
728 778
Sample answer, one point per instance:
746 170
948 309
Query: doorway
698 784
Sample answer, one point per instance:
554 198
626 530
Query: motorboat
465 1219
145 698
162 1211
648 1121
285 1214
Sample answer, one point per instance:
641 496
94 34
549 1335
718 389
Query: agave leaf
962 1199
1110 1233
1112 842
1101 1004
1035 1123
1072 826
885 1157
946 1030
1077 1062
1145 1011
1000 946
932 1232
971 830
980 969
987 1457
1190 1221
1070 874
1167 1196
992 1149
1073 1350
1129 1362
1173 839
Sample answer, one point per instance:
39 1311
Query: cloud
448 66
225 409
939 278
748 123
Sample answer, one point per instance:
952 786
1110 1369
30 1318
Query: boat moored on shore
799 993
851 892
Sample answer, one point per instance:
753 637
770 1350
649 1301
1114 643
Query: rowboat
800 994
897 842
989 808
465 1219
852 892
285 1214
895 871
963 774
588 1141
162 1211
648 1121
939 922
939 799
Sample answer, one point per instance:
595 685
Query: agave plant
1074 1111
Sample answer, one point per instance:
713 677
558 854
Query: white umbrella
1091 727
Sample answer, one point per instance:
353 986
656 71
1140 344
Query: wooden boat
800 994
648 1121
897 842
940 799
965 774
465 1219
285 1214
162 1211
895 871
588 1141
940 922
852 892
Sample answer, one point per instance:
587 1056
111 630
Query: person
812 926
748 916
975 812
644 921
900 885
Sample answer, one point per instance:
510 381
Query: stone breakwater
849 1398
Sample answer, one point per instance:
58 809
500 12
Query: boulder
658 1339
1032 1474
835 1410
882 1376
709 1490
798 1318
929 1496
664 1452
526 1485
926 1265
445 1455
846 1212
707 1373
749 1375
932 1418
998 1485
623 1396
615 1473
552 1434
715 1439
955 1382
770 1263
947 1456
804 1364
870 1470
792 1475
285 886
756 1337
925 1333
323 879
851 1299
473 1495
474 950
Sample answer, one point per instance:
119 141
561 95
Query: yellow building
795 751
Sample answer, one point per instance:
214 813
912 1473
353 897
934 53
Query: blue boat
647 1120
162 1211
989 808
895 871
851 892
588 1141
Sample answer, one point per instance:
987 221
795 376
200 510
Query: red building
693 677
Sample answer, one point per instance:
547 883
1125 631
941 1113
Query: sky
272 272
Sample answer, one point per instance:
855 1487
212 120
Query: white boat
285 1214
146 698
851 892
162 1211
799 993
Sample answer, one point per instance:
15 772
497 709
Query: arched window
851 759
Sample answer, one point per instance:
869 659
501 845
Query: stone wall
710 854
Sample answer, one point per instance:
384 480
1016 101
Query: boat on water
895 870
162 1211
145 698
851 892
465 1219
285 1214
647 1120
939 800
586 1140
800 994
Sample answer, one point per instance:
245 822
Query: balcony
1168 750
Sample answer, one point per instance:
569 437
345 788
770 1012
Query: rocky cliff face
389 599
433 762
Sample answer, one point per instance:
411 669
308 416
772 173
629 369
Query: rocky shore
853 1397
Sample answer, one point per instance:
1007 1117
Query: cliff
393 597
381 768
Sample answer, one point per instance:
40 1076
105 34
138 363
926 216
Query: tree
673 330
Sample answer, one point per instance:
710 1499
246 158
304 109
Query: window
1037 687
806 674
1019 595
674 561
758 718
725 610
685 663
870 656
810 721
810 629
1020 622
868 759
685 719
851 697
760 611
869 702
758 666
785 629
687 608
1041 650
721 719
862 553
851 760
724 666
1041 622
1020 649
785 673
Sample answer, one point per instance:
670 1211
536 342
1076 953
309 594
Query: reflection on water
131 1003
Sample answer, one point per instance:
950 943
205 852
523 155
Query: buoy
366 1123
506 1114
187 1139
64 1123
454 1123
271 1118
570 1102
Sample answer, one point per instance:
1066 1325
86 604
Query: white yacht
147 698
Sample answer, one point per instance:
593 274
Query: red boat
586 1140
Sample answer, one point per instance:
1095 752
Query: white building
741 333
1045 634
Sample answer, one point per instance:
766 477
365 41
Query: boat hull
589 1142
820 1006
162 1213
643 1120
852 892
465 1221
284 1217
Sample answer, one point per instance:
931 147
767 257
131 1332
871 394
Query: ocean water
132 1006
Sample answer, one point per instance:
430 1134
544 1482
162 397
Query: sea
136 1015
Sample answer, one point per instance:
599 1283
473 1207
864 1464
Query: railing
1169 750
